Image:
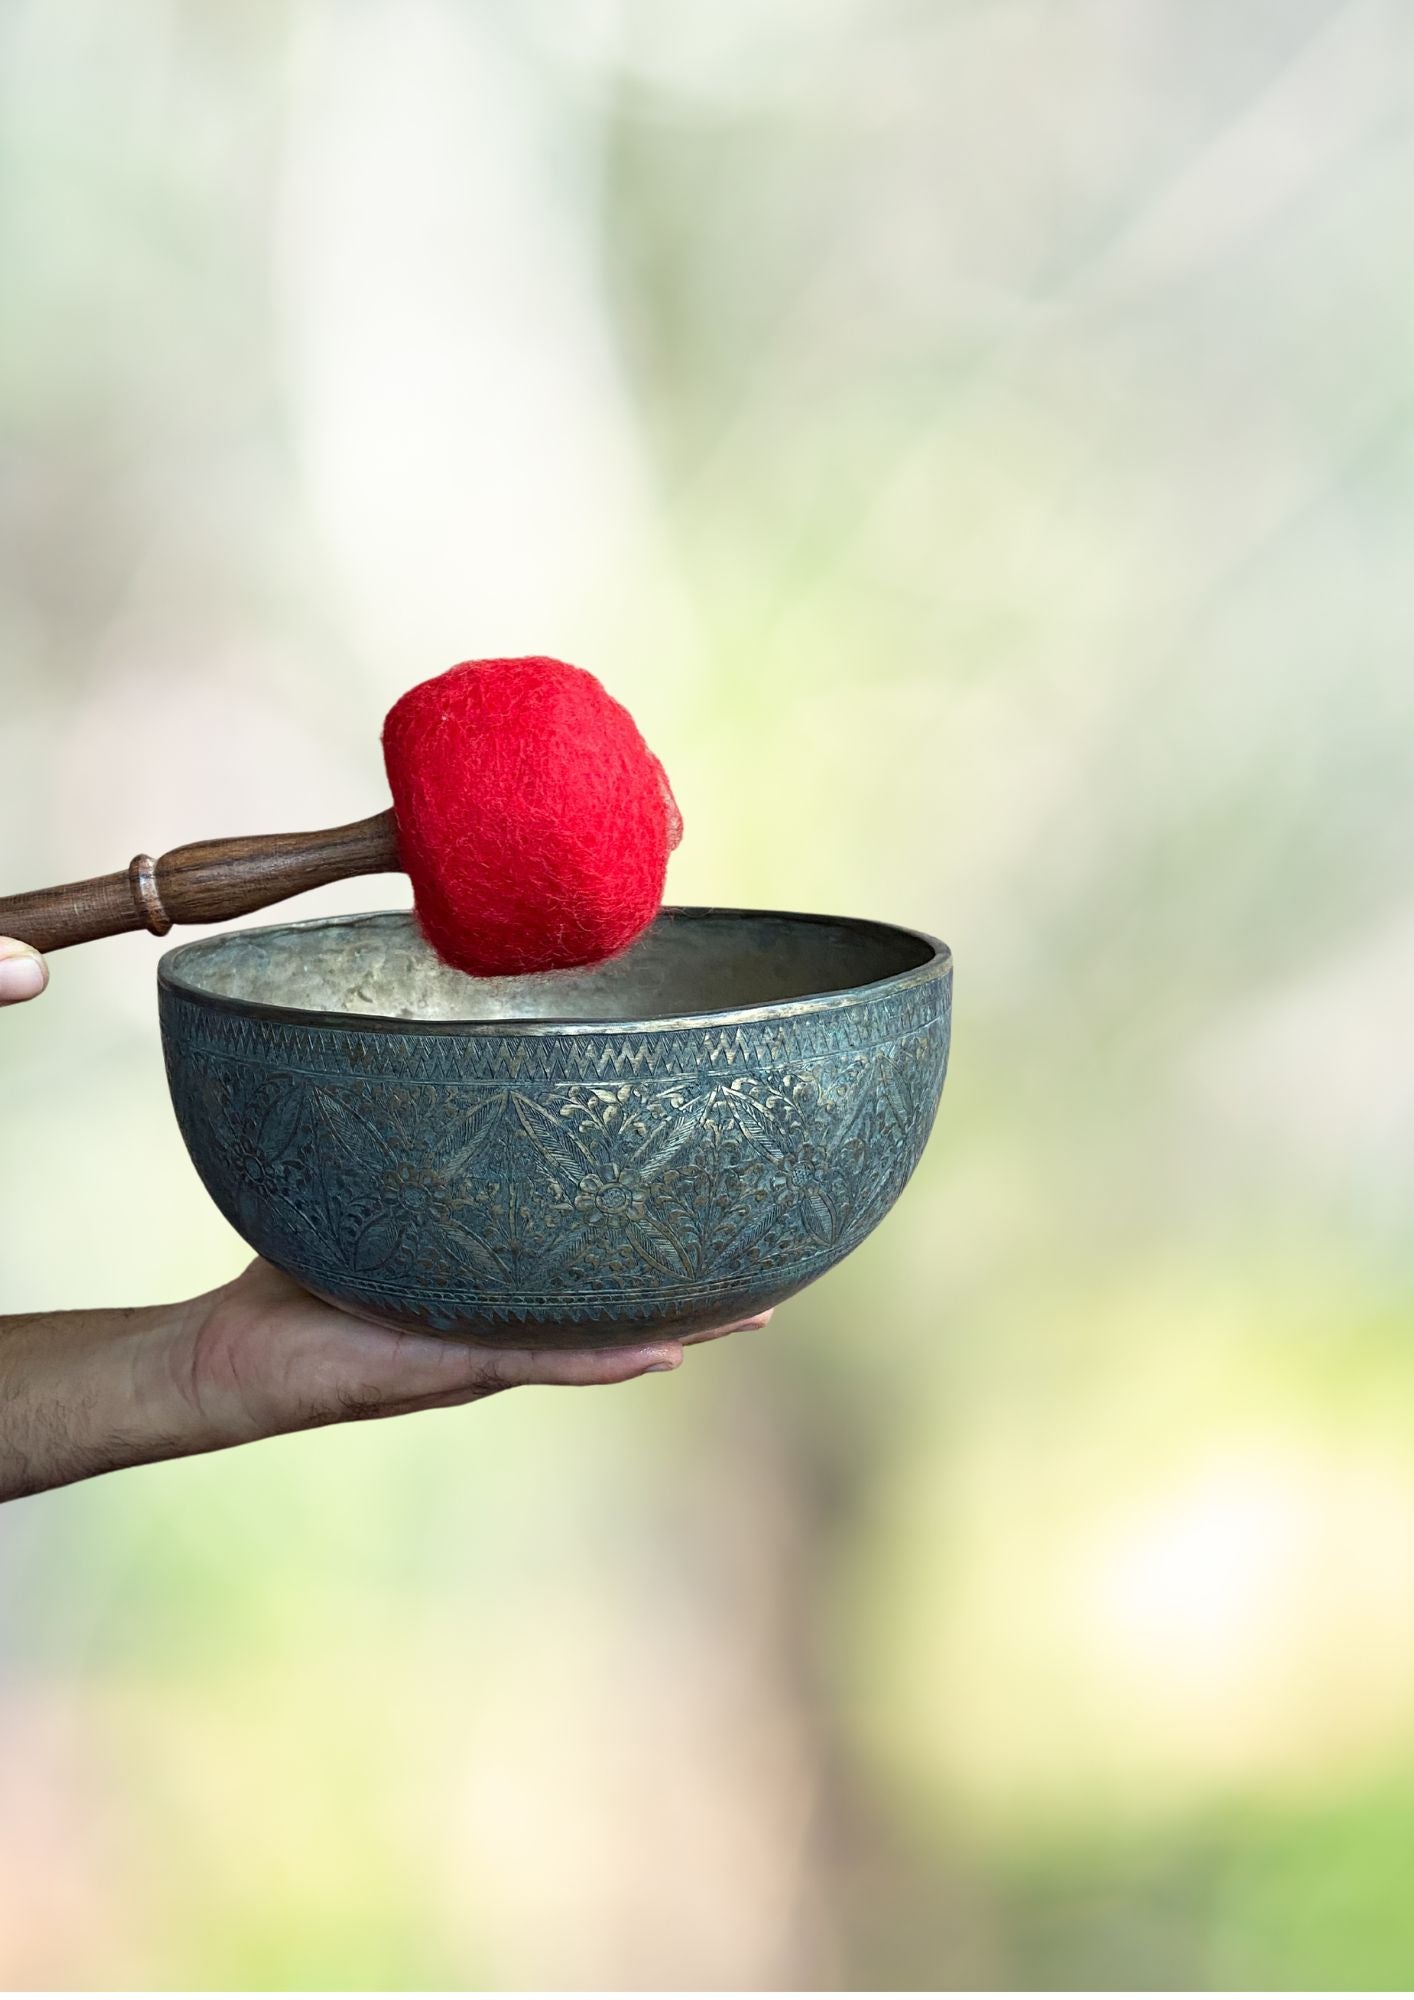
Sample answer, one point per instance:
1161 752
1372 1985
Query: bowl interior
689 962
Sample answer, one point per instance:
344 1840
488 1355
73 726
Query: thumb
23 973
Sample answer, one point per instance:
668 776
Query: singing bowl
682 1136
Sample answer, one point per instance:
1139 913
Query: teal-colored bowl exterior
560 1183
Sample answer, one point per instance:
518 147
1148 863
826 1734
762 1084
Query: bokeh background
976 438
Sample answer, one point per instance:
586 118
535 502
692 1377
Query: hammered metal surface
544 1184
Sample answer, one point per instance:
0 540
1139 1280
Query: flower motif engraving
617 1195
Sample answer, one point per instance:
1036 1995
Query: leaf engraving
375 1243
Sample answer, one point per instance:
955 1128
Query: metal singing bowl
684 1135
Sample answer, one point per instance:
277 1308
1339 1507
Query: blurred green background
977 441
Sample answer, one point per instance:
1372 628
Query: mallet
533 821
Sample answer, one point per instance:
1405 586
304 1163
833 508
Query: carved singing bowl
683 1136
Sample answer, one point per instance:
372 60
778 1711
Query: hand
88 1392
23 973
260 1356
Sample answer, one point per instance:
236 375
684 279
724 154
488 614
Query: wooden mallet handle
203 883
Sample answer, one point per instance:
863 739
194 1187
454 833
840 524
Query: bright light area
1217 1615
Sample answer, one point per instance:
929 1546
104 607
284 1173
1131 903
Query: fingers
23 973
383 1372
489 1369
464 1373
282 1359
582 1367
587 1367
720 1332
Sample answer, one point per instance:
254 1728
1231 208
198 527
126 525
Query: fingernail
21 977
661 1368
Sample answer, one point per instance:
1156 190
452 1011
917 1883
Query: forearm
87 1392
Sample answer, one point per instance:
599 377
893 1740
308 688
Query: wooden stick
203 883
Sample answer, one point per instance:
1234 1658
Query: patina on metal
687 1134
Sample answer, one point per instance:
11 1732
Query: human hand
260 1356
88 1392
23 973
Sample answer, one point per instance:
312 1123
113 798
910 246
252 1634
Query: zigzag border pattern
854 1026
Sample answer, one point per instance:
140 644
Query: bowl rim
937 964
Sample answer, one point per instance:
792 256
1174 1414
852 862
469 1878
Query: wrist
82 1393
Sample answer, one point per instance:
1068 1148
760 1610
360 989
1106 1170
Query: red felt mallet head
533 820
